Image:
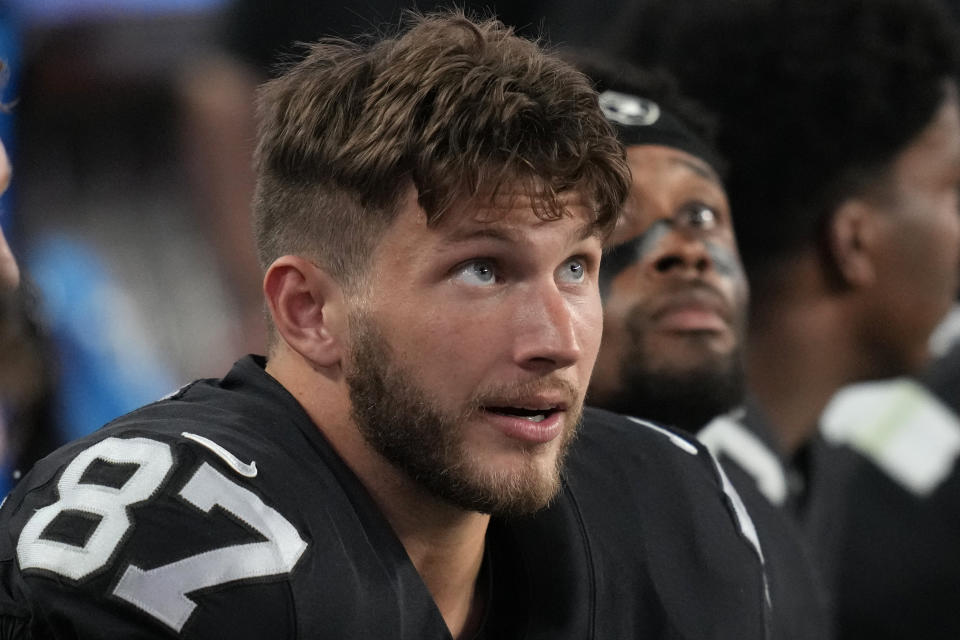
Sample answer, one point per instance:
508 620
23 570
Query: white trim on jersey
744 521
725 436
747 528
899 426
946 334
674 438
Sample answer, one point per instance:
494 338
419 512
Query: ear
307 307
852 234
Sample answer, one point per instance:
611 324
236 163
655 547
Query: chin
515 484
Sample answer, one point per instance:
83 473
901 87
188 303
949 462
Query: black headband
639 121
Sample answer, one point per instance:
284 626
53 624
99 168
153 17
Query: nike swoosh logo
244 469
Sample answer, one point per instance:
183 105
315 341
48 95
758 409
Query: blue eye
573 270
477 272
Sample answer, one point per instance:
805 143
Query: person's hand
9 271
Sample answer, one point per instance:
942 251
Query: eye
573 270
698 216
478 273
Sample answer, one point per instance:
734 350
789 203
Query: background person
27 369
675 307
841 125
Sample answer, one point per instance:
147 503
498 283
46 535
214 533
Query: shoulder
648 458
659 513
220 512
893 424
126 524
627 439
170 516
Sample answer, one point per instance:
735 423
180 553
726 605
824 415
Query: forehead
515 209
657 160
507 222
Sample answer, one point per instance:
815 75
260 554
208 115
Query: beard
413 433
686 398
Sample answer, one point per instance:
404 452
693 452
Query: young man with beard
675 306
841 123
430 213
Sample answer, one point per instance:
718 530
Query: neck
444 543
800 351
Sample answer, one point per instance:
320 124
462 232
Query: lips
529 420
692 318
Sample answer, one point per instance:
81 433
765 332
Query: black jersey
222 512
769 487
888 523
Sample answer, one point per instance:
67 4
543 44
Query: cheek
451 346
740 294
421 334
950 234
920 276
935 248
589 323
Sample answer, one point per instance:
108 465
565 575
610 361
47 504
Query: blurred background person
27 376
67 218
9 270
841 125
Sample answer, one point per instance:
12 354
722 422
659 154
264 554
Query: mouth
694 311
532 415
532 421
691 319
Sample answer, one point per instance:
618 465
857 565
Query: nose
548 327
681 253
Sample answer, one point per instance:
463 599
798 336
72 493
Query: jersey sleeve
145 536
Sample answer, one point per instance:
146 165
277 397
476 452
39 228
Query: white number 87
160 592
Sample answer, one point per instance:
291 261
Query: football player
430 213
675 301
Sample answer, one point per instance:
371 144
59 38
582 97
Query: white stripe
747 528
674 438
